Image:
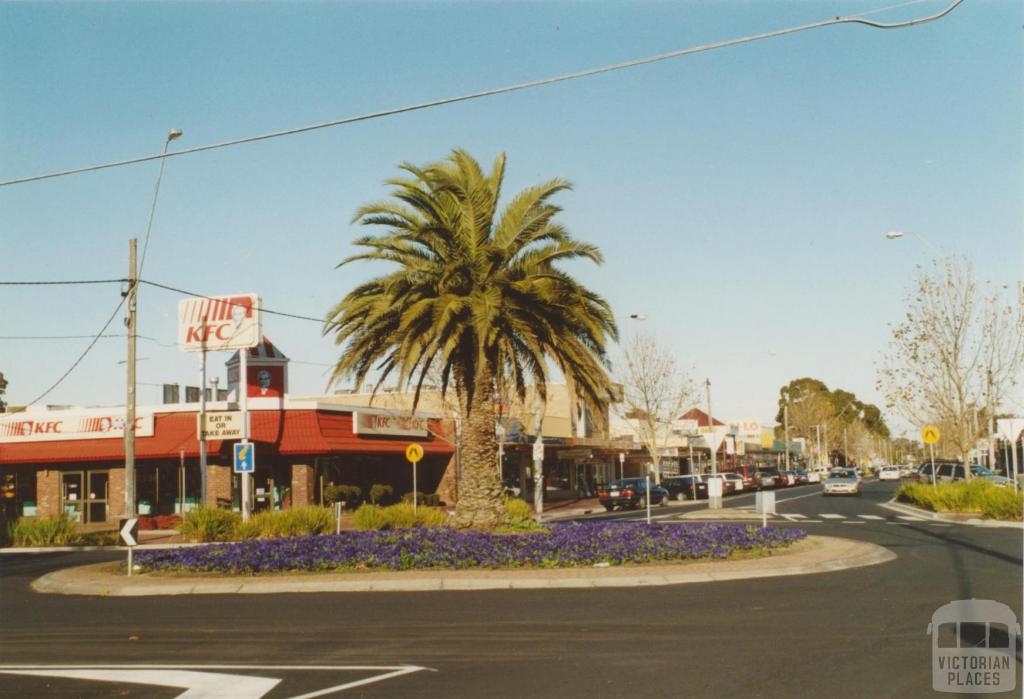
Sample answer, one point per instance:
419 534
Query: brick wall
218 485
302 485
115 493
47 493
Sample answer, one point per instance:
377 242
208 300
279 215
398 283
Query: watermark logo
974 646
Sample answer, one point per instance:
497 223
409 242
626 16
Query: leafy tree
3 390
478 295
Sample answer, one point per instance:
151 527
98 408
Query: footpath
816 554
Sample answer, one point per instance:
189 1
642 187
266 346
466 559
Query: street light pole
711 430
785 425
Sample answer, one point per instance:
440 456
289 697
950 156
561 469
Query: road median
816 554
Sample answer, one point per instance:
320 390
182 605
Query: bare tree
953 344
655 393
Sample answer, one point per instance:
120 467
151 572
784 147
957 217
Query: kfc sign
25 427
219 323
364 423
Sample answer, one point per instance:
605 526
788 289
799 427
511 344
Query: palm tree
477 297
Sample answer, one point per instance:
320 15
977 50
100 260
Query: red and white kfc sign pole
221 323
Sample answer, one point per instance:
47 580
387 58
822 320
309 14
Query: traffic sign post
930 435
414 452
129 535
245 457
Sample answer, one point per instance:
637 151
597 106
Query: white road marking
910 518
795 516
797 497
873 517
831 516
198 685
853 521
208 685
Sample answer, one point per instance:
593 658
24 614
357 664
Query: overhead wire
854 19
82 356
193 294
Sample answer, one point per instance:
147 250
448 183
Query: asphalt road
856 633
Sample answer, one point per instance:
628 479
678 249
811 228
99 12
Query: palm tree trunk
481 498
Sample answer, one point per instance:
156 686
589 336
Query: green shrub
400 516
42 531
301 521
428 499
431 517
369 517
210 524
380 492
977 495
518 510
350 495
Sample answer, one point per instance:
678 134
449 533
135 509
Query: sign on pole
219 425
129 535
930 434
245 457
414 452
219 323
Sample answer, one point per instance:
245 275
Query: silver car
843 481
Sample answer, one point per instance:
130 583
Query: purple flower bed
565 545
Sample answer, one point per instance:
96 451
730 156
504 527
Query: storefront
72 461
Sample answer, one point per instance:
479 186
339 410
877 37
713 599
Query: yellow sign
930 434
414 452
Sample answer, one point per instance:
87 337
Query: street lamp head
638 316
893 235
173 134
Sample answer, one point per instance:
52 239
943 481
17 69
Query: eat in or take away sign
219 323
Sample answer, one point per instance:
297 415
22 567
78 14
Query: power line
210 298
69 282
503 90
81 356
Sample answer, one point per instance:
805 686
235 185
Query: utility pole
846 450
711 430
129 423
785 425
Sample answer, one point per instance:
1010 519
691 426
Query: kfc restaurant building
72 460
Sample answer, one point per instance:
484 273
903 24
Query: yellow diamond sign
930 434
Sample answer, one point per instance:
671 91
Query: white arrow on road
208 685
126 531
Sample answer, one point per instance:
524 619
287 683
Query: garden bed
977 498
564 545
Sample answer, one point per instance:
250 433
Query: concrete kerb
816 554
895 506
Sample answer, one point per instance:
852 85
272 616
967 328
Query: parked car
802 477
991 476
889 473
768 477
683 487
907 471
738 484
728 486
789 477
631 493
813 477
842 481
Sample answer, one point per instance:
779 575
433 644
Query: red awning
287 431
172 433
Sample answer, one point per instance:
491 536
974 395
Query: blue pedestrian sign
245 457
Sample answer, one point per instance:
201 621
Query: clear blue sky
740 196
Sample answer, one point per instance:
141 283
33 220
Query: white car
889 473
842 481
